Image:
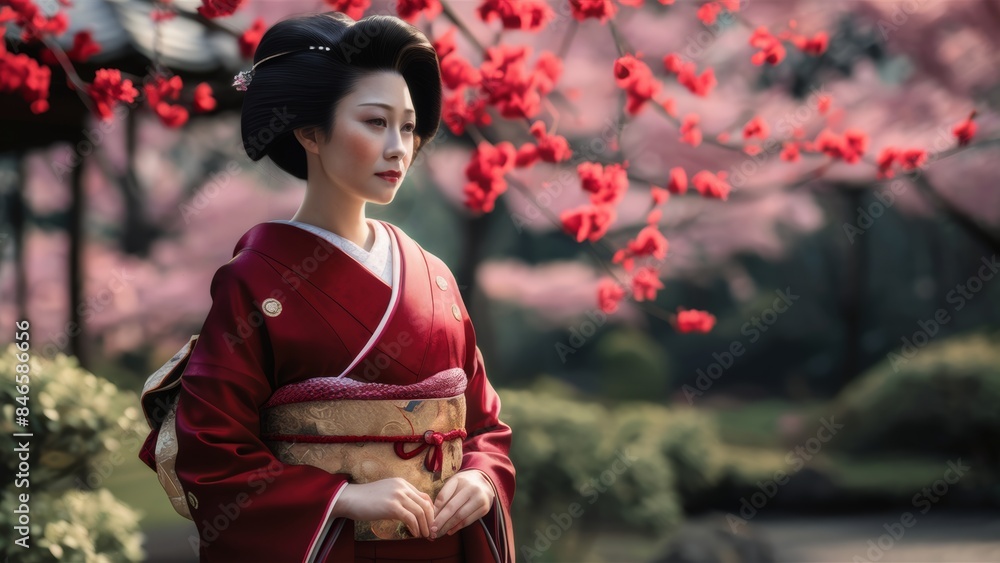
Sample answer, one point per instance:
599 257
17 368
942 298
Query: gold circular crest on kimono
192 500
272 307
455 311
442 283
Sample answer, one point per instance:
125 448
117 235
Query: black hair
302 88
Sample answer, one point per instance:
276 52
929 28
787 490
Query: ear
308 138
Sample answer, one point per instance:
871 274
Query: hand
387 499
463 499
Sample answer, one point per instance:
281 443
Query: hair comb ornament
242 79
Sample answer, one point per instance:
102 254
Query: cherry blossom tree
712 105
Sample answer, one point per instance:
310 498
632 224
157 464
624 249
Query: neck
341 216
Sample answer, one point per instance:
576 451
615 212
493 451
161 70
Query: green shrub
628 465
943 401
84 526
78 424
632 366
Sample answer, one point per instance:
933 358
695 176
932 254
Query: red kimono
248 505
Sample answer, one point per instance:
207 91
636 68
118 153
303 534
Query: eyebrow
386 106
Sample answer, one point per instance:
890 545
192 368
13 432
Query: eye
409 127
376 119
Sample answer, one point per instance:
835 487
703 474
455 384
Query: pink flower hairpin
243 78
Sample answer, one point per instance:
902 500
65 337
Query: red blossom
445 43
456 72
171 115
711 185
855 143
410 10
690 132
965 130
756 127
654 216
33 22
163 88
645 284
609 295
457 113
790 151
509 85
910 159
885 160
649 242
698 84
551 148
548 69
218 8
485 172
815 45
659 195
108 89
353 8
707 13
606 184
524 15
823 102
678 180
849 147
83 48
203 100
602 10
693 320
771 50
527 154
589 222
250 38
635 77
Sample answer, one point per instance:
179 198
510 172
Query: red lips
394 174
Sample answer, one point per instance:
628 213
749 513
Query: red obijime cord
430 441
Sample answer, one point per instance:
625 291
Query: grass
136 485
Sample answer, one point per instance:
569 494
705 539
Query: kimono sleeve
246 504
486 448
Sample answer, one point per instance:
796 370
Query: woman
345 106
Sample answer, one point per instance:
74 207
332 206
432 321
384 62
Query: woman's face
372 133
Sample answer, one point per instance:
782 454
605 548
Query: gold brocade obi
372 431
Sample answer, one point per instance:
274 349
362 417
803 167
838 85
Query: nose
395 146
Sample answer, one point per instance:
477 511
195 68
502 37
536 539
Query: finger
448 516
414 510
469 513
446 492
423 501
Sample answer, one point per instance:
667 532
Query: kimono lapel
349 297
